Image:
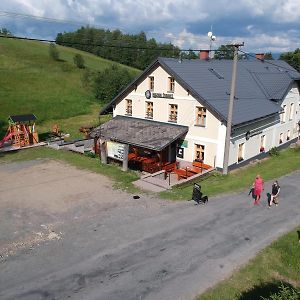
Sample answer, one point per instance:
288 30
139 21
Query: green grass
273 167
123 180
32 82
277 264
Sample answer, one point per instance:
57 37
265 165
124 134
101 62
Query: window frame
200 116
149 110
128 108
241 156
151 83
262 147
281 136
283 114
171 87
173 117
292 107
288 135
201 151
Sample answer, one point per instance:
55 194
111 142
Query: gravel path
97 243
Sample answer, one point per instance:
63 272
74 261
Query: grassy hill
32 82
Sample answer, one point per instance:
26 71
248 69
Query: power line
108 45
63 21
268 62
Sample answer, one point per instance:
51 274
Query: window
200 116
171 84
283 114
262 143
291 111
149 110
128 107
199 152
281 138
173 112
151 83
288 135
241 151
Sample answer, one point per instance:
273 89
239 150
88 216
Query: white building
192 96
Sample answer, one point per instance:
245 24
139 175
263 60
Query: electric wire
174 48
268 61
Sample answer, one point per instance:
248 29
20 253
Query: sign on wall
180 152
115 150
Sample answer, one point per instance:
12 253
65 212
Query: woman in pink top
258 186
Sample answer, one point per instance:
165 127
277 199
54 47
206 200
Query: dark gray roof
139 132
260 86
22 118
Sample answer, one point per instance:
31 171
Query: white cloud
172 20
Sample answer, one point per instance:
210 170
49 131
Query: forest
134 50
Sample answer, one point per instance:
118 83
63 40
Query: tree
110 82
224 52
53 52
189 55
5 32
130 49
292 58
79 61
268 56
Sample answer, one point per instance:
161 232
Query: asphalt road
140 252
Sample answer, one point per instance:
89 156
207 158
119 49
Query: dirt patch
38 197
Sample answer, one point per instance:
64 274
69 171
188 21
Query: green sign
183 144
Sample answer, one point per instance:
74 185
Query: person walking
258 186
274 193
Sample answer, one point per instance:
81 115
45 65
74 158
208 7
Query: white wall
270 127
207 136
212 136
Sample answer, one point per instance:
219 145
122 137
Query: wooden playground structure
21 131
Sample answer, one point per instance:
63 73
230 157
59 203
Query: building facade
195 94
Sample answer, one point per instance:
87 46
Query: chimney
260 56
204 54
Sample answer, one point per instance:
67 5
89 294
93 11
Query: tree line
134 50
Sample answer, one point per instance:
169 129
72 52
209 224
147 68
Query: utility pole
230 108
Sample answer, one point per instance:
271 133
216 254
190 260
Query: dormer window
128 107
171 84
151 83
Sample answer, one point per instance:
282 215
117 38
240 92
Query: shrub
79 61
284 293
274 151
53 52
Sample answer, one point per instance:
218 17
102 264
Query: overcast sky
264 25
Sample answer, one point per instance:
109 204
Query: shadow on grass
264 291
45 136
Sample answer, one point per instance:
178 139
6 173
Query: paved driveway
144 248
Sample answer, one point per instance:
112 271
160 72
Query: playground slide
6 138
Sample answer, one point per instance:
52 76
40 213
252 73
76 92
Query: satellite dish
209 34
213 38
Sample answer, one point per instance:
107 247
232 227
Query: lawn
278 264
32 82
270 168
